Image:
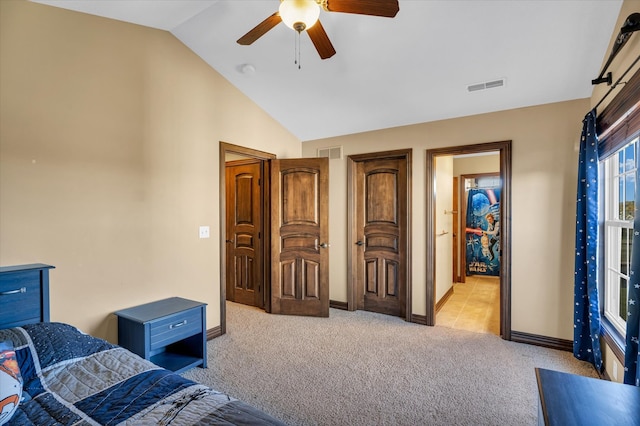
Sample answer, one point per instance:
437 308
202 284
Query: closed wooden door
381 209
300 237
245 281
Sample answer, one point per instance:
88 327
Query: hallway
474 306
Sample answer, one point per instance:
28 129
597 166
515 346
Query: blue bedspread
71 378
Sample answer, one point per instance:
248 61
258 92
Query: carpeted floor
361 368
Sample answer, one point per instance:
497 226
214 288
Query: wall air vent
332 153
486 85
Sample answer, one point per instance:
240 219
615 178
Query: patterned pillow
10 382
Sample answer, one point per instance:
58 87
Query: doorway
274 233
379 206
504 150
229 274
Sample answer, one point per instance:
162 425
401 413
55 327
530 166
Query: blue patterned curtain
586 319
632 354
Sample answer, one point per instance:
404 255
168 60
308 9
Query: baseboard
214 332
419 319
338 305
444 299
537 340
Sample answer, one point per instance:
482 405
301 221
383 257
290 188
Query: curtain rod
617 82
631 25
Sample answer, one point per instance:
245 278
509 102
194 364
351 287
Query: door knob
324 245
359 243
229 241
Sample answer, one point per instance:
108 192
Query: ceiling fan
302 15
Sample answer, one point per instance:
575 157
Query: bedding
71 378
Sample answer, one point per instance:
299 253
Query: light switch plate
204 232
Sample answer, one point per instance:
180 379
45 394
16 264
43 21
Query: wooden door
245 281
381 205
300 237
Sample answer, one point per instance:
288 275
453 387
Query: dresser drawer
20 294
175 327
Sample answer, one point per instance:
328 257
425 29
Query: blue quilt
71 378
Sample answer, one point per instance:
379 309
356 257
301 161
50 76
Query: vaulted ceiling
390 72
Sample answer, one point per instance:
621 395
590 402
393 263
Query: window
619 197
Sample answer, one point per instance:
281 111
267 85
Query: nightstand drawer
175 327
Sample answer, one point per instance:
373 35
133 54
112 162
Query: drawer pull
180 324
10 292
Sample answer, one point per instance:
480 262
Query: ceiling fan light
299 14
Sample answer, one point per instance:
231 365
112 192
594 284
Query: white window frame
613 226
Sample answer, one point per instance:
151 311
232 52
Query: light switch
204 232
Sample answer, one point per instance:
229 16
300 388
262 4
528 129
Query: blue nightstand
170 333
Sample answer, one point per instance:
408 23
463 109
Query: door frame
463 216
352 237
504 148
227 148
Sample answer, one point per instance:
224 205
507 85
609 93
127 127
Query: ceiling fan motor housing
299 14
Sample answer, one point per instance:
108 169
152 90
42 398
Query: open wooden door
244 229
300 236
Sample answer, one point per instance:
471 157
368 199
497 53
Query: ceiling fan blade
321 41
260 29
385 8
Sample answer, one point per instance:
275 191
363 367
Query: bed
71 378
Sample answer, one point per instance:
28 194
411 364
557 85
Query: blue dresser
24 294
170 333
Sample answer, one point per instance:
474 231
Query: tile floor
474 306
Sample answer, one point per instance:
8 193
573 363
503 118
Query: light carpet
362 368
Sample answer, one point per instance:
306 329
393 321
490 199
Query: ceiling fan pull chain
295 50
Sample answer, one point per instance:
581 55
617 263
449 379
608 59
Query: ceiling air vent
486 85
332 153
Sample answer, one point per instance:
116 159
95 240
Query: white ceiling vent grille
486 85
332 153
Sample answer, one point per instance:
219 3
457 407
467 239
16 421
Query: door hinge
259 235
259 182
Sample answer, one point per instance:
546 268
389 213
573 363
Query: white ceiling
390 72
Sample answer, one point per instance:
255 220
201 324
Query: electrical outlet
204 232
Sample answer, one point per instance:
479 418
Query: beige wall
543 203
620 64
443 225
109 144
476 164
